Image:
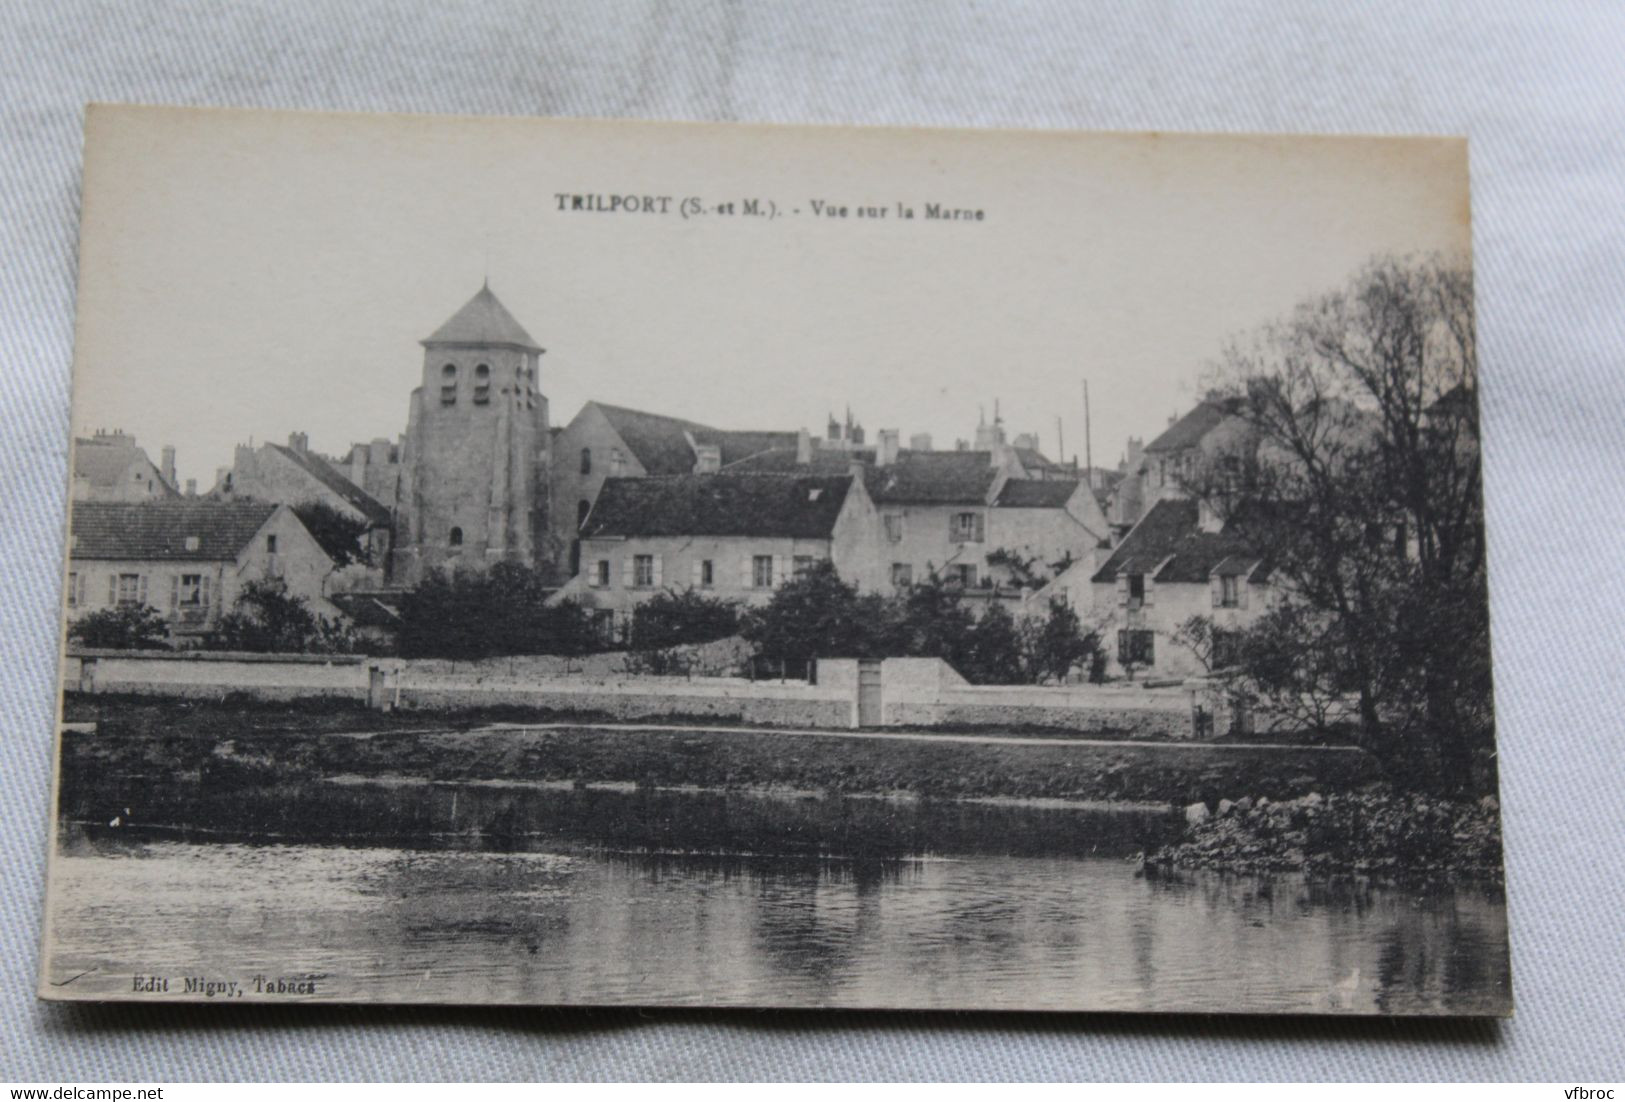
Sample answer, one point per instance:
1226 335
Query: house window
600 574
963 574
448 385
270 544
616 461
902 574
1226 649
1229 591
127 591
455 538
894 527
73 589
586 461
802 565
1136 590
190 592
761 571
482 384
708 574
1136 648
967 527
643 570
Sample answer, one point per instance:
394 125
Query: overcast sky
245 275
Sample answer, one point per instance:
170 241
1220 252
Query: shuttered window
966 528
762 571
643 570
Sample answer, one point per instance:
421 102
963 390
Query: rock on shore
1373 832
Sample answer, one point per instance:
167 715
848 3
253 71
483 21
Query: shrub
675 619
128 627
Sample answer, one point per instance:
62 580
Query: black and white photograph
594 563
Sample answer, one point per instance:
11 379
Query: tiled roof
1187 432
1036 462
328 475
368 610
718 505
659 442
783 461
161 529
483 320
105 464
740 444
1168 537
1034 493
933 478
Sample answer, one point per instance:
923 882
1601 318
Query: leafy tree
1057 645
342 536
815 615
993 651
127 627
483 614
266 618
674 619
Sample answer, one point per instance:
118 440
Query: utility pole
1088 452
1060 443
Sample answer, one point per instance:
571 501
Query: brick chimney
299 441
886 447
920 442
707 459
803 448
167 468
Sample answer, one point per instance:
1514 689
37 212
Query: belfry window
482 384
448 385
456 538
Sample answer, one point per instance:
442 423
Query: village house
734 537
605 441
189 559
110 466
292 474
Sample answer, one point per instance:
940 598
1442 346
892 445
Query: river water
497 893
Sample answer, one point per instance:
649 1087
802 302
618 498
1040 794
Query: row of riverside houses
622 504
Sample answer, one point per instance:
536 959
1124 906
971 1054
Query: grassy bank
244 742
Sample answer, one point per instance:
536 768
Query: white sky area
246 275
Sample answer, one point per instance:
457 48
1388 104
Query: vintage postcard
592 563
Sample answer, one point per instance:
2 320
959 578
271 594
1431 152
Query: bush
128 627
675 619
496 612
266 618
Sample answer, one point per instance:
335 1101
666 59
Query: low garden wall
216 673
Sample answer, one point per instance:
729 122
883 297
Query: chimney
1207 517
803 448
707 458
886 446
299 441
191 487
855 435
920 442
222 477
168 467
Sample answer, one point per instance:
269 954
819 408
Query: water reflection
631 897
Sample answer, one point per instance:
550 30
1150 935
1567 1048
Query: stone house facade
189 559
111 466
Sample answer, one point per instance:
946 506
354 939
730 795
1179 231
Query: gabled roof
1035 462
1169 541
738 445
1035 493
329 476
659 442
104 463
762 506
160 529
1188 431
783 461
483 320
933 478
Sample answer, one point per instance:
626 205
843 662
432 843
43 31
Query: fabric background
1536 86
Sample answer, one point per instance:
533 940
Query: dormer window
482 384
448 385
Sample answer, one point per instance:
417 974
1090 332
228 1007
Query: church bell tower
473 487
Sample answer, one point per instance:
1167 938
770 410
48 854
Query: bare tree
1359 483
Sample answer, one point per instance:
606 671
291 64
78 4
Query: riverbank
1376 832
155 741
